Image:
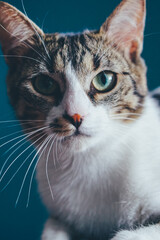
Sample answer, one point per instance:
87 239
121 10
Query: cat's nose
75 120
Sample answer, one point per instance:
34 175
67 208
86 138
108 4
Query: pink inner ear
133 50
125 26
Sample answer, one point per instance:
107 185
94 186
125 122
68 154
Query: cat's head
77 88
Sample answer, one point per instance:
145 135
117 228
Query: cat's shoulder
155 94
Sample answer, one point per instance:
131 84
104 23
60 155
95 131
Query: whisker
11 134
12 163
26 44
47 176
22 163
152 34
42 27
15 151
20 120
29 169
20 124
56 154
38 35
26 136
15 56
30 185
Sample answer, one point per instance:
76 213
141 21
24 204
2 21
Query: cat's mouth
65 130
76 135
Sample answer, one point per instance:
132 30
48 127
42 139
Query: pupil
46 84
103 79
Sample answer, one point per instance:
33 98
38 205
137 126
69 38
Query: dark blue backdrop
18 222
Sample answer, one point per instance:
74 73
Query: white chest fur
114 183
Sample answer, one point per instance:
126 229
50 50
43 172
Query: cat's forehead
87 52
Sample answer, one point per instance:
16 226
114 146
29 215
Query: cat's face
79 88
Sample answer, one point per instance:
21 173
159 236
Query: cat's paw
130 235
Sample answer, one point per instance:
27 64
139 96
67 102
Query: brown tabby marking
90 53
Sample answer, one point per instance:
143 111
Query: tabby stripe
83 42
96 62
135 89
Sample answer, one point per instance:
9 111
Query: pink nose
77 119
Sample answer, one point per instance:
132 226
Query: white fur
144 233
113 177
53 232
75 99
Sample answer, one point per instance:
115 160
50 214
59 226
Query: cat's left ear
17 32
125 27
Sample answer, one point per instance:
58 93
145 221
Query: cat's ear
16 30
125 27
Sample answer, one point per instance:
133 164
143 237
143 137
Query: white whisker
29 169
20 120
26 136
38 35
11 134
26 44
16 150
46 142
47 176
15 56
23 162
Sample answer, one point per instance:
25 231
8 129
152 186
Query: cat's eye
45 85
104 81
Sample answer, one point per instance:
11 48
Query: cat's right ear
17 31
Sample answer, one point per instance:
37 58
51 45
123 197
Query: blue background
18 222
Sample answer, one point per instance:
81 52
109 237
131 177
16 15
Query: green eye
104 81
45 85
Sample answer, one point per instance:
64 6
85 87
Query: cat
96 126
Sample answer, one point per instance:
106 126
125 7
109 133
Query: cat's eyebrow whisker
42 27
34 169
25 176
38 35
32 144
26 135
24 139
